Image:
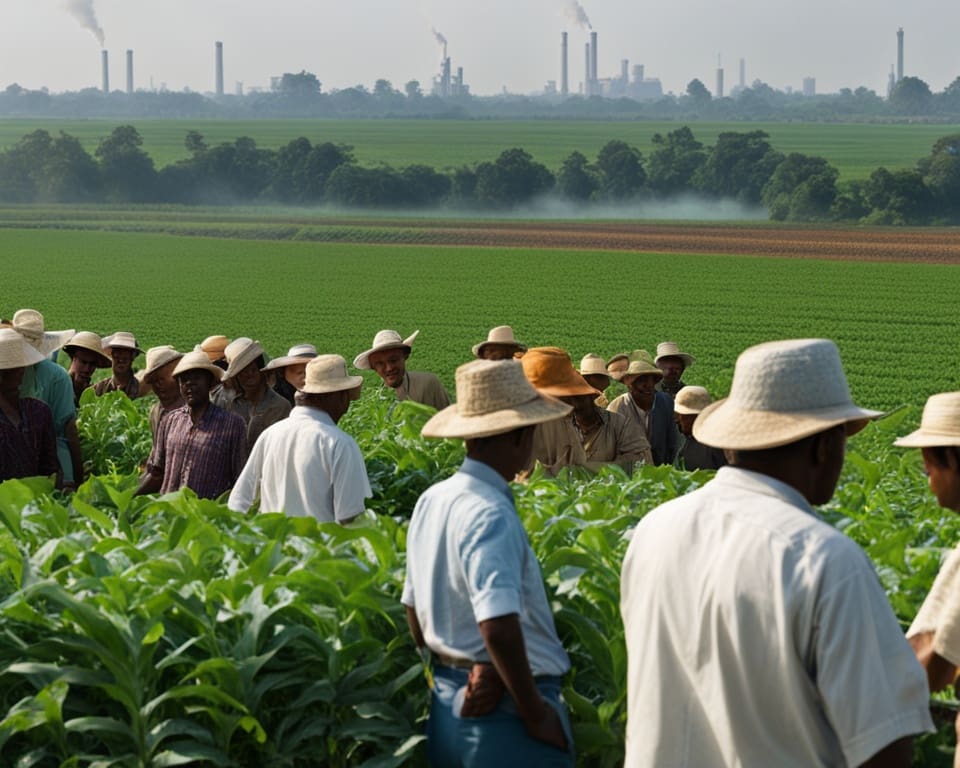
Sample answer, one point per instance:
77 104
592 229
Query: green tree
911 96
802 188
127 170
355 186
897 197
412 89
941 175
71 175
620 169
513 178
577 180
674 162
698 92
302 85
423 186
738 166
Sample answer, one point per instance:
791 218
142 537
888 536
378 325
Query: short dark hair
940 454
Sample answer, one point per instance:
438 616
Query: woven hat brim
927 438
141 375
105 362
283 362
626 378
515 344
46 342
332 385
723 425
569 390
210 367
688 360
31 356
362 361
684 410
449 424
242 360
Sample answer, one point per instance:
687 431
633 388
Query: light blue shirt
51 383
469 560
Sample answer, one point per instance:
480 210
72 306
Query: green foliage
114 432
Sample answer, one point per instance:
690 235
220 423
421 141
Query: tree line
741 166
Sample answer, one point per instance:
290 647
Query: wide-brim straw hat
92 343
670 349
301 353
121 340
240 353
493 397
198 360
640 368
214 346
939 425
503 335
616 375
382 341
328 373
16 351
157 357
782 391
691 400
593 365
29 324
551 372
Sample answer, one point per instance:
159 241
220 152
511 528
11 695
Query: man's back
760 636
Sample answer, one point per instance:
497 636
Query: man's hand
546 727
484 691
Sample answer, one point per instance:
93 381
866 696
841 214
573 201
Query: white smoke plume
574 11
440 39
84 12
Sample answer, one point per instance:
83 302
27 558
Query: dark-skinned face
685 422
390 365
10 380
643 388
195 387
496 351
250 378
944 479
122 360
82 366
672 368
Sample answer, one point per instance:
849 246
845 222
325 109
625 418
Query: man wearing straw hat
673 363
651 410
388 358
474 594
499 345
757 634
305 465
157 377
122 348
290 370
85 350
692 454
199 446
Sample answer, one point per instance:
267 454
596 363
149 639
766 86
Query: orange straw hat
939 425
551 372
214 346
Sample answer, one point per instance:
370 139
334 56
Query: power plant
105 71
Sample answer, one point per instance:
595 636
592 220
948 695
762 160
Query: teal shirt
50 383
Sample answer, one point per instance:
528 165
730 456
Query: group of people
756 633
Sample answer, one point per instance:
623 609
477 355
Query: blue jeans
498 739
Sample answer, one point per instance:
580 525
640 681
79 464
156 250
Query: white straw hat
240 353
198 361
502 334
16 351
328 373
691 400
493 396
782 391
593 365
384 340
91 342
301 353
670 349
121 340
939 425
157 357
29 324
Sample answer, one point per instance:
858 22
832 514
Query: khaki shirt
556 444
271 409
110 384
618 440
422 387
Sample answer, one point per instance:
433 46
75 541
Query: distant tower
743 74
809 86
219 68
891 83
564 84
900 54
593 64
129 71
105 71
719 90
586 76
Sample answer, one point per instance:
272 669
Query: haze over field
499 43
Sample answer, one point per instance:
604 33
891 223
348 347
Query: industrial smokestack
129 71
743 74
900 54
586 69
564 84
625 70
593 59
719 92
219 68
105 74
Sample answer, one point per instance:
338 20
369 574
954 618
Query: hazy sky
511 43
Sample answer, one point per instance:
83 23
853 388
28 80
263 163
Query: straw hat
940 424
157 357
301 353
240 353
15 351
328 373
493 396
670 349
614 373
383 340
502 334
29 324
640 368
198 360
691 400
214 347
593 365
782 391
551 371
121 340
91 342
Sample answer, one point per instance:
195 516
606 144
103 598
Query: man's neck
197 411
641 406
122 378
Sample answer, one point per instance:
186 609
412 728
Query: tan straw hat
593 365
502 334
328 373
198 360
91 342
782 391
640 368
121 340
383 340
214 346
939 425
16 351
157 357
301 353
691 400
551 372
493 396
614 364
240 353
29 324
670 349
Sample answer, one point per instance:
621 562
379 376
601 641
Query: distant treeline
744 167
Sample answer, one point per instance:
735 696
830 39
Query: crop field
854 149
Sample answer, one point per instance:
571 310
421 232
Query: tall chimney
219 68
900 54
129 71
719 91
593 60
586 76
625 70
105 67
743 74
564 83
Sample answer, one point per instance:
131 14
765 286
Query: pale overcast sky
499 43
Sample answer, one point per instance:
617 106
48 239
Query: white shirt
469 560
305 466
758 635
940 612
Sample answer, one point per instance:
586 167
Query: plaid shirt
29 448
206 457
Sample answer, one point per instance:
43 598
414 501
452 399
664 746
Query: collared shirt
305 466
617 440
657 423
940 612
158 413
51 383
30 447
206 457
422 387
669 389
269 410
469 560
758 635
556 444
131 389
